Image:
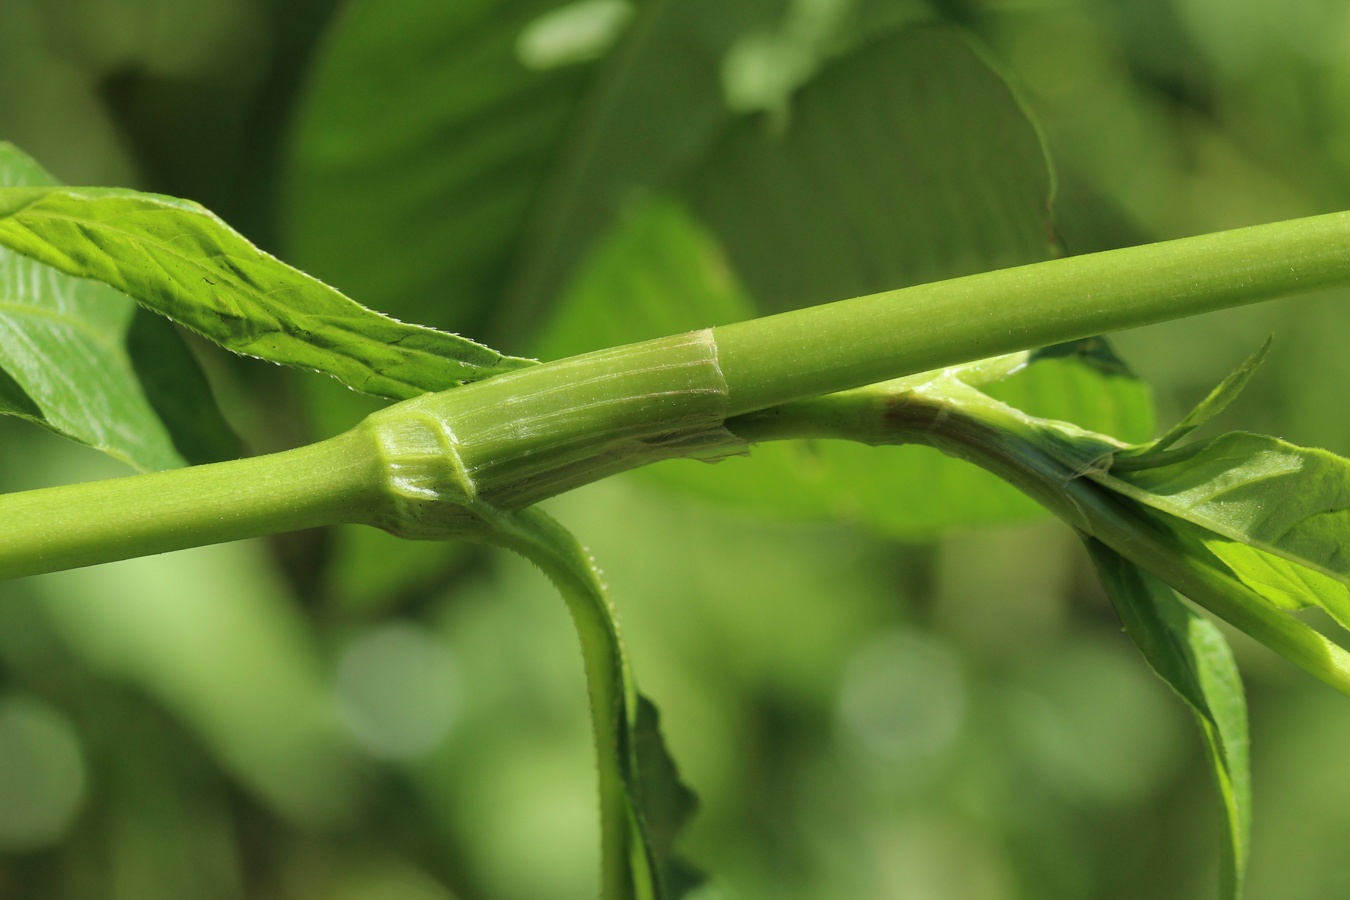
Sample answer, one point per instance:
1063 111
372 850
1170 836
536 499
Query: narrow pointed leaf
632 132
1190 654
179 260
1217 401
643 803
63 357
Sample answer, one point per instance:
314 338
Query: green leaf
63 359
1285 584
495 166
1278 515
655 108
178 391
907 161
643 803
1190 654
179 260
1217 401
420 147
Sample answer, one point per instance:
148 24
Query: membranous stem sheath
427 468
516 439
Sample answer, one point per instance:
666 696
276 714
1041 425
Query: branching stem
517 438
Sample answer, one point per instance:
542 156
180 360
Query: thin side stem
993 442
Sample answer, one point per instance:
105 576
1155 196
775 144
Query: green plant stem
419 467
434 467
625 869
992 439
850 343
101 521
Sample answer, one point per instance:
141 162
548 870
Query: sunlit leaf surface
179 260
63 358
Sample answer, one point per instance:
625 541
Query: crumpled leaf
1276 513
179 260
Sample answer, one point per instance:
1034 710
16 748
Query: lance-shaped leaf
63 355
643 803
1189 653
1217 401
179 260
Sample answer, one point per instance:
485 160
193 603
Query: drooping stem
995 438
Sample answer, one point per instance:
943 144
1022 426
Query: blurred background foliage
872 697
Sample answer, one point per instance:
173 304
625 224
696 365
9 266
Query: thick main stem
100 521
850 343
520 437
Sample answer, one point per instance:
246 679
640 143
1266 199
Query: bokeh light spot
573 33
42 776
903 699
399 690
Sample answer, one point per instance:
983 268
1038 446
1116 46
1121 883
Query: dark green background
338 715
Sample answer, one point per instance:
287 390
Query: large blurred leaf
419 150
655 108
907 161
441 143
1190 654
179 260
63 360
